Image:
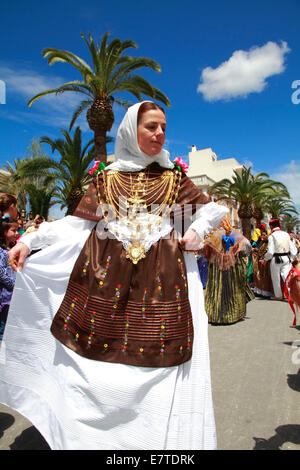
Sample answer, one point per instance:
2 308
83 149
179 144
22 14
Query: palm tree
247 191
41 197
12 179
278 193
290 222
280 206
70 172
111 73
11 182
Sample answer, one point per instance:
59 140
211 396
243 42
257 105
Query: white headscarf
128 155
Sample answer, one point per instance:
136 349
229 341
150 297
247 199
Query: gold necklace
143 192
127 197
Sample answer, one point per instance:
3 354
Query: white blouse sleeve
207 217
293 249
52 232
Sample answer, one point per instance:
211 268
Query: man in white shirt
280 251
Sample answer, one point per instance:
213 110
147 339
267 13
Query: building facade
205 169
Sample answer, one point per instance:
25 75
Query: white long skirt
78 403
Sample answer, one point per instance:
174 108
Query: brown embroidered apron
117 311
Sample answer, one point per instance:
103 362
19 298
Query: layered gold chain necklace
130 195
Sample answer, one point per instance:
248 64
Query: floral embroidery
76 338
143 307
162 336
85 304
181 350
105 346
125 341
140 353
104 274
92 331
158 281
183 275
68 316
116 301
85 266
178 300
188 344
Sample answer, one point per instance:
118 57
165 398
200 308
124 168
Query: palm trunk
73 200
100 145
100 117
246 227
258 215
245 213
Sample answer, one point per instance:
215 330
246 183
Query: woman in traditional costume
263 286
227 290
106 344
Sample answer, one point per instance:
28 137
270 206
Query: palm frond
55 55
83 105
40 95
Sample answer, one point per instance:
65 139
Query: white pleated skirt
82 404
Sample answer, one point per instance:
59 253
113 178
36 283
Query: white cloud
53 110
25 82
245 72
289 175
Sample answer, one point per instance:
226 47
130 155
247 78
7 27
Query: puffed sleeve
59 230
208 217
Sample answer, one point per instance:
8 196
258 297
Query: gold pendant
135 252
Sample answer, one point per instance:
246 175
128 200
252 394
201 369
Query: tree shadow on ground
30 439
284 433
6 421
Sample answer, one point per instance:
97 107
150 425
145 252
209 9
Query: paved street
256 385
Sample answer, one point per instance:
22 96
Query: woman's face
264 236
12 234
151 131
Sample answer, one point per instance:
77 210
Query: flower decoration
180 165
98 166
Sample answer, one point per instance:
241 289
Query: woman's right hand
17 256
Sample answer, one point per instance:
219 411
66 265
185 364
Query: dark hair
5 223
274 223
148 106
6 200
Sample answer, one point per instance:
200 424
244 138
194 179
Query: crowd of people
235 270
12 228
106 343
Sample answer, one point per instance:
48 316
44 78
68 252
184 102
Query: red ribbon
286 292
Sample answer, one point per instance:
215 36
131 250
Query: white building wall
205 162
205 169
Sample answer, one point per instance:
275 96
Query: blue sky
227 68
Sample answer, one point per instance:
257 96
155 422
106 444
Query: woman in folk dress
106 345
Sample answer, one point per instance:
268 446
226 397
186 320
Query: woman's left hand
191 241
